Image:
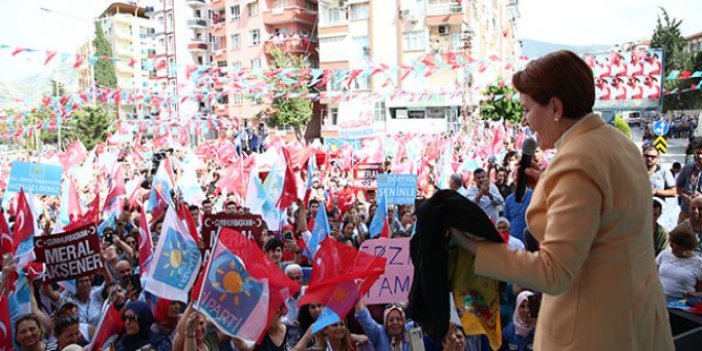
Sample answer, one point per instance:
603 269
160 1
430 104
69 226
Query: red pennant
49 56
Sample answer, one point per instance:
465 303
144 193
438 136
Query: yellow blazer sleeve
572 221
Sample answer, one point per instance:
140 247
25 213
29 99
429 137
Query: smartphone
416 339
109 237
287 236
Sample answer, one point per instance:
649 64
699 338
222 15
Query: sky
575 22
587 22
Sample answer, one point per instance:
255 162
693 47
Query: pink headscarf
520 327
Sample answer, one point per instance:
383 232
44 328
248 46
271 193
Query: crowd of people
66 315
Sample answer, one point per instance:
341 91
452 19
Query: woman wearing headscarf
390 336
519 334
138 319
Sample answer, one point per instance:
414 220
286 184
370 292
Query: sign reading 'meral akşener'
69 255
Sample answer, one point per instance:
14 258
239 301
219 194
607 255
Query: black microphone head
529 147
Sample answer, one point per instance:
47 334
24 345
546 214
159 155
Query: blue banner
37 178
398 189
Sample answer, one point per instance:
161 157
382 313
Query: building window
311 6
334 115
379 111
329 40
256 63
236 41
279 4
415 40
237 99
253 9
235 12
236 65
334 16
359 12
200 61
171 43
255 36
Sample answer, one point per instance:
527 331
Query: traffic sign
660 127
661 144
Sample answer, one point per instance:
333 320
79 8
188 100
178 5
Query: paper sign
248 224
69 255
394 285
37 178
398 189
366 175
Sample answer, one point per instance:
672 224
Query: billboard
627 80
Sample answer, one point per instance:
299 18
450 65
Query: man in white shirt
486 194
456 184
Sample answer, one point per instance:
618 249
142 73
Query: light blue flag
381 213
320 231
325 319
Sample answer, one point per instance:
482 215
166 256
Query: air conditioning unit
443 30
404 13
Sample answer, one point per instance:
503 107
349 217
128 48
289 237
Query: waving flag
379 225
6 340
19 297
6 242
117 192
231 297
177 260
320 231
70 203
23 233
255 195
162 186
273 186
189 187
110 324
340 275
289 192
74 155
146 250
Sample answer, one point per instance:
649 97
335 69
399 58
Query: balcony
289 14
444 14
197 45
221 109
196 3
289 45
216 4
219 29
197 23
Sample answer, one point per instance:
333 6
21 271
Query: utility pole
467 76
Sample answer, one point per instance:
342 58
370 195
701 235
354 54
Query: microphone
528 149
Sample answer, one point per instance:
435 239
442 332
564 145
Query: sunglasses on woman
129 317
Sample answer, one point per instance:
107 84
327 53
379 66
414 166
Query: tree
498 103
667 36
288 111
90 124
104 69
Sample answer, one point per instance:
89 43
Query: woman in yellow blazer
591 213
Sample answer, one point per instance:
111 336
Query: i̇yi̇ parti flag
273 186
231 297
176 260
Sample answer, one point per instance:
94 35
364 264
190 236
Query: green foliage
286 111
621 124
667 36
90 124
498 103
104 70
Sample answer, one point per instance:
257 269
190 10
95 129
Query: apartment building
182 39
353 34
246 32
127 28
